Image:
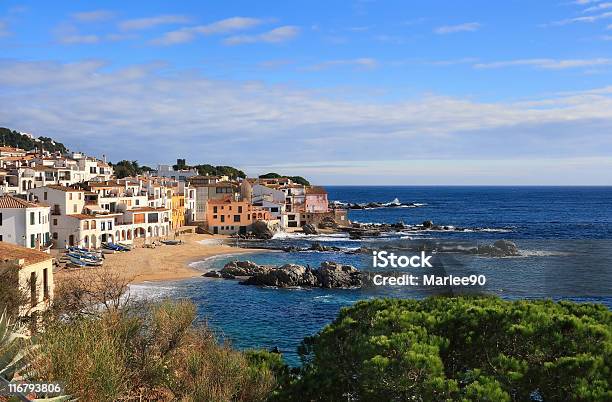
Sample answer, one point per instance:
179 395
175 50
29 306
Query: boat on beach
115 247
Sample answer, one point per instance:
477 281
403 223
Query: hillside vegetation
11 138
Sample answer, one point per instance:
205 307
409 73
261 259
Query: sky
342 92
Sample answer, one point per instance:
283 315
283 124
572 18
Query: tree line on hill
295 179
12 138
210 170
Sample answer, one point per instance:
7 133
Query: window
45 284
80 195
275 209
214 210
239 209
74 208
32 218
39 217
236 218
110 225
32 240
0 219
33 298
137 202
102 225
70 196
55 235
54 221
0 237
45 196
222 218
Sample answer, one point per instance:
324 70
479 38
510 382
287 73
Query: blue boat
113 246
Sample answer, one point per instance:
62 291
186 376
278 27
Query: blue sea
564 234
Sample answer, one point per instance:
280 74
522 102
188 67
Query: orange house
226 216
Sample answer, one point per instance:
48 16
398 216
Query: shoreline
163 263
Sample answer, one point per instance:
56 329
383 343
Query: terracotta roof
226 200
8 201
147 209
12 149
10 251
85 216
315 190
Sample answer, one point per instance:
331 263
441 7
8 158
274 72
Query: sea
564 235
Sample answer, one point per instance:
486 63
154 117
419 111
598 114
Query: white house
24 223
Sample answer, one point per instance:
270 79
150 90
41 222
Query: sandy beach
163 262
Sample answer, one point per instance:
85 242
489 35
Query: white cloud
151 22
76 39
585 19
598 7
123 112
547 64
276 35
93 16
187 34
466 27
364 62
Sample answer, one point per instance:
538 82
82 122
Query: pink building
316 199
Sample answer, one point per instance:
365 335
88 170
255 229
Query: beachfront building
178 211
271 200
24 223
229 216
77 220
33 275
210 188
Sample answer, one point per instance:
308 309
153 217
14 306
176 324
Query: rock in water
212 274
310 229
508 247
261 230
288 275
242 268
427 224
334 275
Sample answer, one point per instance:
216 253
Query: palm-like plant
14 352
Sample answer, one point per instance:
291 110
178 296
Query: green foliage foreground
472 349
157 354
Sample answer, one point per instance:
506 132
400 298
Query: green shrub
155 354
464 348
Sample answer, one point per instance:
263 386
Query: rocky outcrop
261 230
328 223
286 276
333 275
316 246
329 275
310 229
212 274
501 248
242 268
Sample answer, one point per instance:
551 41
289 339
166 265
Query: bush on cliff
157 354
466 348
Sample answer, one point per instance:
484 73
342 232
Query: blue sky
344 92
